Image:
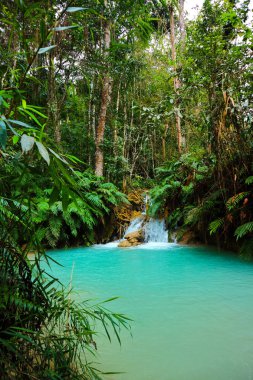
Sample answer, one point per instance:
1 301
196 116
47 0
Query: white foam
155 231
111 244
135 225
156 245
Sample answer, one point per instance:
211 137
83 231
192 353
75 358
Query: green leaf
60 28
27 143
24 103
43 33
19 123
34 118
243 230
65 198
54 196
46 49
215 225
3 134
75 9
58 156
35 110
3 102
10 127
234 201
15 139
73 159
249 180
43 151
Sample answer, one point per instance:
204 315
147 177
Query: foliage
244 229
44 333
78 221
54 63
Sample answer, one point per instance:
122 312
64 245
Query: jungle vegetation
99 99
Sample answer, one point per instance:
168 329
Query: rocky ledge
132 239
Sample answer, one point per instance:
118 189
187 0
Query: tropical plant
44 332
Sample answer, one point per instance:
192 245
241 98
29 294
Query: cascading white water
135 225
146 203
155 231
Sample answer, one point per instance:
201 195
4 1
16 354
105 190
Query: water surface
192 309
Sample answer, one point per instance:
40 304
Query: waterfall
146 203
155 231
143 229
135 225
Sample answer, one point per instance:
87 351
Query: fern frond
215 225
243 230
55 225
249 180
56 208
246 250
43 205
234 201
155 207
193 216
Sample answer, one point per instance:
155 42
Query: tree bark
53 109
182 23
115 131
176 79
105 100
166 127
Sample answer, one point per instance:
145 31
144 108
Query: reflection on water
192 309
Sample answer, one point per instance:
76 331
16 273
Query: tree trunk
115 131
166 127
105 99
125 151
176 79
182 23
53 109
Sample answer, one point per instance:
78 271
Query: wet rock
132 239
127 243
124 244
138 235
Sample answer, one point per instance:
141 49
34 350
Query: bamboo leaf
27 143
58 156
46 49
43 152
60 28
24 103
21 123
75 9
3 134
34 118
15 139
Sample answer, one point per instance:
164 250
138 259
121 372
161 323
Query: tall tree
105 98
176 65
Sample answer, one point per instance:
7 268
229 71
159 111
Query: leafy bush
44 333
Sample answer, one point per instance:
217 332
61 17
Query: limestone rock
138 235
127 243
132 239
124 244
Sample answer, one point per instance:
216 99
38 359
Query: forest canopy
99 100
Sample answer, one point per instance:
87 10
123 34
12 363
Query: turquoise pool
192 309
